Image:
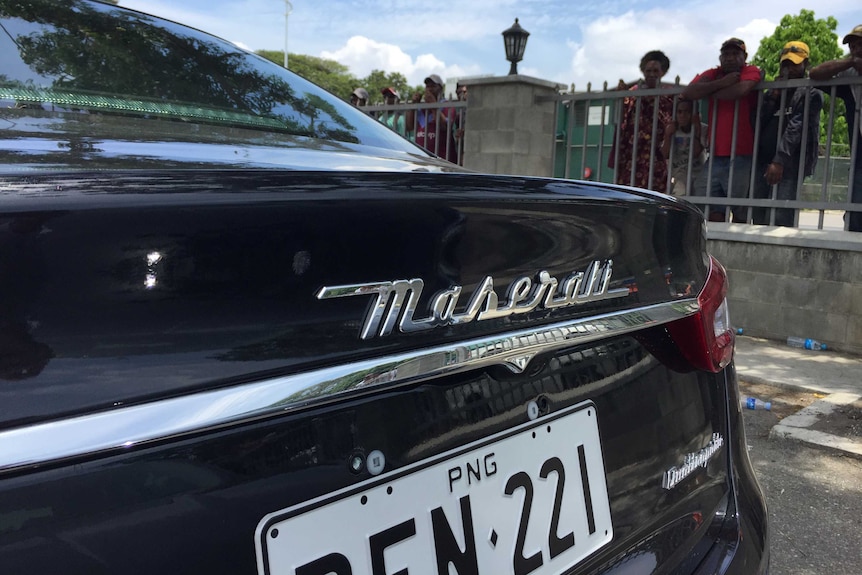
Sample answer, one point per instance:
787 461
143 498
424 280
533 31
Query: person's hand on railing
730 79
428 96
774 172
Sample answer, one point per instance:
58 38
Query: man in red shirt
732 100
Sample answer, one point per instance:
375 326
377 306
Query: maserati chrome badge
395 301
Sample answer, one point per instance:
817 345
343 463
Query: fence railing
599 133
438 127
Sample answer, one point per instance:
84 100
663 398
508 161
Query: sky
570 42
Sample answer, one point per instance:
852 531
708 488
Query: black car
247 329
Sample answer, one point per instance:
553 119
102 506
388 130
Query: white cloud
363 55
754 32
612 47
580 42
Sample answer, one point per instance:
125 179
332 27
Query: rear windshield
80 57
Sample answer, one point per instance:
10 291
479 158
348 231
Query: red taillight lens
706 339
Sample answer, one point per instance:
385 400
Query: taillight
706 339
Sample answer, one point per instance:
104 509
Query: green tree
328 74
336 77
378 79
819 34
276 56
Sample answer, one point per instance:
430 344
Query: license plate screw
544 405
357 463
537 407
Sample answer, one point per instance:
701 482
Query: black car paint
242 255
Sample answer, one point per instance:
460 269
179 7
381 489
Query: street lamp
515 40
288 8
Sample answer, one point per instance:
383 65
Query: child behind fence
677 147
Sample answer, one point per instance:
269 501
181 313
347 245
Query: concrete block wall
510 130
785 281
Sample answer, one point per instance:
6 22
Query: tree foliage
378 79
328 74
336 77
819 34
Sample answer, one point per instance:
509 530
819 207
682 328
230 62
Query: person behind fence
685 132
636 147
782 126
393 119
359 97
849 67
732 82
434 128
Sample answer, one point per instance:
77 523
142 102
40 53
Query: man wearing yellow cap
849 67
786 133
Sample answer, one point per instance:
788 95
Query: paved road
814 494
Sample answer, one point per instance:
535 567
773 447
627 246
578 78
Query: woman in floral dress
654 66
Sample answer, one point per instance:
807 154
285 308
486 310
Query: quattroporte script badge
395 301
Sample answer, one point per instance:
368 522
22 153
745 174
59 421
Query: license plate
531 500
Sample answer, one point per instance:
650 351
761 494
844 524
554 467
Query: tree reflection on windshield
111 59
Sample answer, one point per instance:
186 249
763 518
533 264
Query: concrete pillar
509 129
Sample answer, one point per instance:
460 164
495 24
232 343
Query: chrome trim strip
138 425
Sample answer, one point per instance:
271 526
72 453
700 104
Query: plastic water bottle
805 343
753 403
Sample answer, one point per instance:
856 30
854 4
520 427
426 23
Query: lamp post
288 7
515 40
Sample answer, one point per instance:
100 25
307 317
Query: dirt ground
845 421
814 495
785 402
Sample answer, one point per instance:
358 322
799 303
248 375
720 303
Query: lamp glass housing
515 42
